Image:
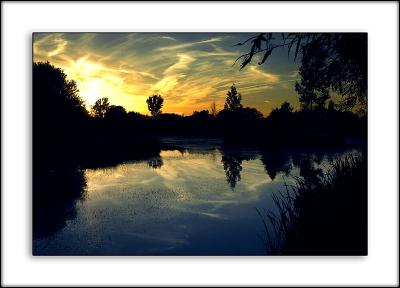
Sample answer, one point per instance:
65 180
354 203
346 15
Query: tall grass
324 215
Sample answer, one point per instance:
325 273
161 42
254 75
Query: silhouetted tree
248 114
154 104
240 125
313 87
135 116
213 109
53 93
341 60
100 107
59 116
233 100
115 113
286 108
203 114
282 113
280 124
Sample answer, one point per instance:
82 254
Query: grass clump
322 214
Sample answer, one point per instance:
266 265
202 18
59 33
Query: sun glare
190 75
96 81
90 91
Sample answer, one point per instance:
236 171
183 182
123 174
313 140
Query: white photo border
380 20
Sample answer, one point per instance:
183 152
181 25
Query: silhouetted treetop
233 100
203 114
213 109
154 104
65 134
336 61
115 113
285 109
314 84
59 116
53 92
100 107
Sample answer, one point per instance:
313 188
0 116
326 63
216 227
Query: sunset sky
190 70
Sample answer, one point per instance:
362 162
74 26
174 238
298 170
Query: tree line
62 123
328 62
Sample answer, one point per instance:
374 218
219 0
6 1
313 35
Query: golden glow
189 74
96 81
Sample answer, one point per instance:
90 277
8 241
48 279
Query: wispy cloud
60 47
168 38
187 45
190 70
268 76
183 62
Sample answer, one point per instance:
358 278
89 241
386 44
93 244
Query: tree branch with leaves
341 63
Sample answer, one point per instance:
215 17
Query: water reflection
178 203
155 162
54 197
276 162
232 167
232 161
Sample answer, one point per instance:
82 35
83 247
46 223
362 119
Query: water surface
197 200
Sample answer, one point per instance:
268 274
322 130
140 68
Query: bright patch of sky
190 70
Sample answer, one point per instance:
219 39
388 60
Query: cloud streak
188 45
190 70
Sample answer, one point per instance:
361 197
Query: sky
189 70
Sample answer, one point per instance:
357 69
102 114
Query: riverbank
324 213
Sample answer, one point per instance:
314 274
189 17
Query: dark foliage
323 127
233 100
65 135
323 214
59 116
100 108
155 103
329 61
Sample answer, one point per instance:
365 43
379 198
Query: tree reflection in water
232 167
155 162
55 194
232 161
275 162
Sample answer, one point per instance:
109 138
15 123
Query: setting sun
96 81
189 71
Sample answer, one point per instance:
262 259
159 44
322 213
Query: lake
196 198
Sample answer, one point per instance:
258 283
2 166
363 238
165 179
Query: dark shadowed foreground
323 213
